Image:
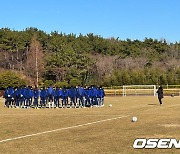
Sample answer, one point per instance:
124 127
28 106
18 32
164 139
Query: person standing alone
160 94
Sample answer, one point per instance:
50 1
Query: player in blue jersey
15 101
27 97
94 96
43 96
10 93
64 97
72 95
5 97
90 96
17 95
80 96
36 94
86 96
101 95
31 95
57 95
50 96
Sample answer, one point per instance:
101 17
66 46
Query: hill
89 59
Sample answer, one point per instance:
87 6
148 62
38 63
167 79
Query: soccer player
27 97
90 95
160 94
60 97
31 95
36 97
86 95
94 96
15 96
80 96
18 95
6 97
64 97
22 94
57 94
10 92
43 96
72 96
50 96
101 96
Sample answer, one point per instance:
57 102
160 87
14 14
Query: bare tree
104 65
35 60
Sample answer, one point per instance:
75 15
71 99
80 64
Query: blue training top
50 91
36 93
72 92
43 93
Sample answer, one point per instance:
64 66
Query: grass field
90 130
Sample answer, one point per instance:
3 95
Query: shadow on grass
152 104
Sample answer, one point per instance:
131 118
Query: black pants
160 100
73 101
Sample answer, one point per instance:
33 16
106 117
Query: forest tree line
86 59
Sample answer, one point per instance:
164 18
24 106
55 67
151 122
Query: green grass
115 136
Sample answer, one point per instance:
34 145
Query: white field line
65 128
88 115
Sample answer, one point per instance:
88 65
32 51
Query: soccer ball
110 105
134 119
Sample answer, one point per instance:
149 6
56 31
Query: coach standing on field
160 94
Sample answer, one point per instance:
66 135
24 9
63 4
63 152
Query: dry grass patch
112 136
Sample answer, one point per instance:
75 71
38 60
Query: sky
133 19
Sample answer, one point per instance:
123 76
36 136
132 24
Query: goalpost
149 90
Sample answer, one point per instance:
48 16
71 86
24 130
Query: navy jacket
57 93
18 92
64 93
50 91
10 92
36 93
27 93
94 92
80 92
43 93
90 94
72 92
101 93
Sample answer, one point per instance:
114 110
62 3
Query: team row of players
54 97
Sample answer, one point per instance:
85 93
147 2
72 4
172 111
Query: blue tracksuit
90 96
36 94
80 95
10 93
16 96
27 95
94 95
65 97
72 94
101 96
43 96
57 95
86 94
32 95
22 95
50 94
5 96
17 93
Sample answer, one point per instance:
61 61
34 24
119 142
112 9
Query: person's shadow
152 104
